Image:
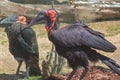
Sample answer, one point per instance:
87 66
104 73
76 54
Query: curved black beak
38 19
9 20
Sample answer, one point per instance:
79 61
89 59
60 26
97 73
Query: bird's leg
84 73
18 68
71 74
27 71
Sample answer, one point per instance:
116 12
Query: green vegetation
33 78
36 78
53 63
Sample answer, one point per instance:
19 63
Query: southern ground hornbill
22 44
76 42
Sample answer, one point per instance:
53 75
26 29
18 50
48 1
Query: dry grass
109 28
8 64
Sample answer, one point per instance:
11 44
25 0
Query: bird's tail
34 66
110 63
94 56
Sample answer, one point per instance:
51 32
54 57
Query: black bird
76 42
22 44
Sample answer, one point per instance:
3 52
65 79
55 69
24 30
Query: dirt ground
95 73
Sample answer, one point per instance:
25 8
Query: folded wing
77 36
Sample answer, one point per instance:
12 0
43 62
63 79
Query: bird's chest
12 32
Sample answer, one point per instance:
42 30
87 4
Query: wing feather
77 36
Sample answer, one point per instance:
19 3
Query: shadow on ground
9 76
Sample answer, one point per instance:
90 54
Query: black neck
56 25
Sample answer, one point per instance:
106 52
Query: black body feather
23 46
77 43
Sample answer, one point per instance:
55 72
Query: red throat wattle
52 15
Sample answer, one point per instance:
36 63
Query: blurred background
70 10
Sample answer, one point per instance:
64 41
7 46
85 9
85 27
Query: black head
44 15
8 21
